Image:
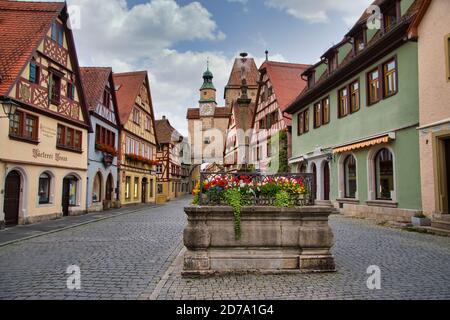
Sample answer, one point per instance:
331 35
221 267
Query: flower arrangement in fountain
247 190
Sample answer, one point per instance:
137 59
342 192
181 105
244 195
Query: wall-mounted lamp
9 108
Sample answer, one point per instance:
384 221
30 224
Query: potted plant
420 220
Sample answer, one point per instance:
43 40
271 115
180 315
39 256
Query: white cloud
142 38
318 11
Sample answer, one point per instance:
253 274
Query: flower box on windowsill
140 159
106 149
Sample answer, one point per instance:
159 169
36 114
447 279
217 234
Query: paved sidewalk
23 232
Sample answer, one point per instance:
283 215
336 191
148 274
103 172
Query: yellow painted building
137 153
43 151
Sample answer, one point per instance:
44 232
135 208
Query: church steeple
208 91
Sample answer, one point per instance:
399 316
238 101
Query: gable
54 59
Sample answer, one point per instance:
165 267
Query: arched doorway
326 181
109 188
97 188
314 171
12 199
69 194
144 190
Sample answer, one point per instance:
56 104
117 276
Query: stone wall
274 240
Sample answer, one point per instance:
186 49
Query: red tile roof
22 27
128 85
165 132
94 80
220 112
286 80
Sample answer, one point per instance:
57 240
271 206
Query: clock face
207 110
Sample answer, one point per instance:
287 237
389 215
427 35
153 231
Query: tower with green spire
208 91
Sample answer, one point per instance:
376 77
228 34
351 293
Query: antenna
207 63
267 55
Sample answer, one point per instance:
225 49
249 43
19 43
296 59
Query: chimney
164 117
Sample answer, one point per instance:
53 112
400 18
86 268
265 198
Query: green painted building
355 125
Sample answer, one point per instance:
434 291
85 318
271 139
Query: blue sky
172 39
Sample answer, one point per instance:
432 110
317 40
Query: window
360 41
58 33
54 88
107 99
268 121
326 110
350 176
159 168
354 96
373 83
262 123
390 18
148 123
343 103
34 73
44 188
269 147
303 122
69 138
136 116
333 63
97 189
160 188
384 174
23 125
275 117
317 115
70 91
127 187
390 78
105 136
136 188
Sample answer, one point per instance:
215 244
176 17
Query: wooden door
109 188
144 190
326 181
12 199
66 197
447 166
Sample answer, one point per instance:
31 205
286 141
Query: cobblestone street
136 256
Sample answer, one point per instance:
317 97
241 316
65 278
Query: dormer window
391 16
359 41
332 63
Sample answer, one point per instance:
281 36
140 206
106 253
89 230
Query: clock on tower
207 110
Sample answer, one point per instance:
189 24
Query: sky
172 39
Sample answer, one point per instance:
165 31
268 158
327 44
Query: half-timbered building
170 169
137 152
103 148
279 84
43 156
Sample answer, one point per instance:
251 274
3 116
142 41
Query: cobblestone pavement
137 256
413 266
119 257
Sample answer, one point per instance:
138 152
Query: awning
362 144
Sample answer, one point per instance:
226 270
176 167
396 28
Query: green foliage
283 199
234 199
196 199
279 148
270 190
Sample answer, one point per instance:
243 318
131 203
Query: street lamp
9 108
